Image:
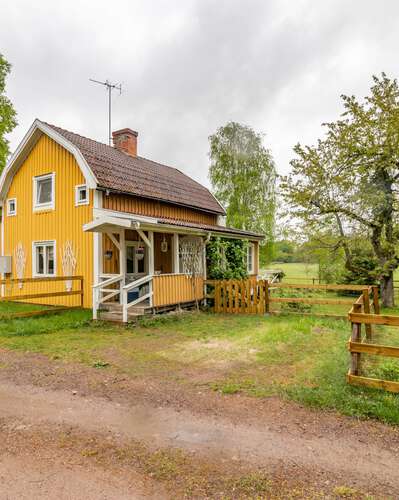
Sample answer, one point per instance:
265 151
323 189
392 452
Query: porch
142 269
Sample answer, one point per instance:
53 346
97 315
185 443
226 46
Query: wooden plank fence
12 291
48 279
254 296
359 315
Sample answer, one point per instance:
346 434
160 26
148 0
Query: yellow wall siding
152 208
62 224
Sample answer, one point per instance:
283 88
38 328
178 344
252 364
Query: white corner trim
97 241
28 142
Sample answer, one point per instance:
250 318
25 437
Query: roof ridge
79 135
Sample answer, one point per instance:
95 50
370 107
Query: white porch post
151 262
151 253
97 254
175 253
122 263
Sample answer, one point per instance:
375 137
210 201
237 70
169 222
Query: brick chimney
125 140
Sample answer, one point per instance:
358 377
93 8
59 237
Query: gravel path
268 443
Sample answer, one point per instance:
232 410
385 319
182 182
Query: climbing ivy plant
226 258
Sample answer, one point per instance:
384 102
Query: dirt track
284 439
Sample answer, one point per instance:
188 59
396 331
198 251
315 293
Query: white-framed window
11 206
44 258
81 195
250 258
44 192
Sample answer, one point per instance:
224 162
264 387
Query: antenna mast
110 87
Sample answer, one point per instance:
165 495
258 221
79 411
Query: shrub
226 259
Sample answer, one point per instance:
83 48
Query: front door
136 259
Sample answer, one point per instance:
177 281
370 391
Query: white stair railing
127 288
102 287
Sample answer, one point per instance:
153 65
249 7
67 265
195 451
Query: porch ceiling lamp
164 245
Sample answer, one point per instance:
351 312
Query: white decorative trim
11 213
37 207
69 262
36 130
78 202
38 243
20 262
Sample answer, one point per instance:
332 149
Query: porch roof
107 222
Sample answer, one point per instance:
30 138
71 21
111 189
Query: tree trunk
387 290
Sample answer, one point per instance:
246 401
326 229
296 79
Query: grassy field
300 358
304 273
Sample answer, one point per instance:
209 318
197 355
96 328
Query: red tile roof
138 176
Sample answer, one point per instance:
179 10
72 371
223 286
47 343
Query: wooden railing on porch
171 289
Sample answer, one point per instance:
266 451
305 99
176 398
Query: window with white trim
81 195
250 258
12 206
43 258
44 192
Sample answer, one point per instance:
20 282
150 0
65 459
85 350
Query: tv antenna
110 87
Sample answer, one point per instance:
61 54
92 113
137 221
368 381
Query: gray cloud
188 67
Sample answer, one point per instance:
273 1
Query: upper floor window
81 195
12 206
250 258
44 191
43 258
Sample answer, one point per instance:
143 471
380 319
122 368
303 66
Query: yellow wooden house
134 229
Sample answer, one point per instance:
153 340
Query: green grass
300 358
15 307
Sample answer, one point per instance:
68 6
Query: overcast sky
188 67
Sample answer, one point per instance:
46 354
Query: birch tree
243 176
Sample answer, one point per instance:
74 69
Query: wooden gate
240 297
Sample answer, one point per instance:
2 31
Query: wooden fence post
267 302
366 308
356 337
376 302
82 290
